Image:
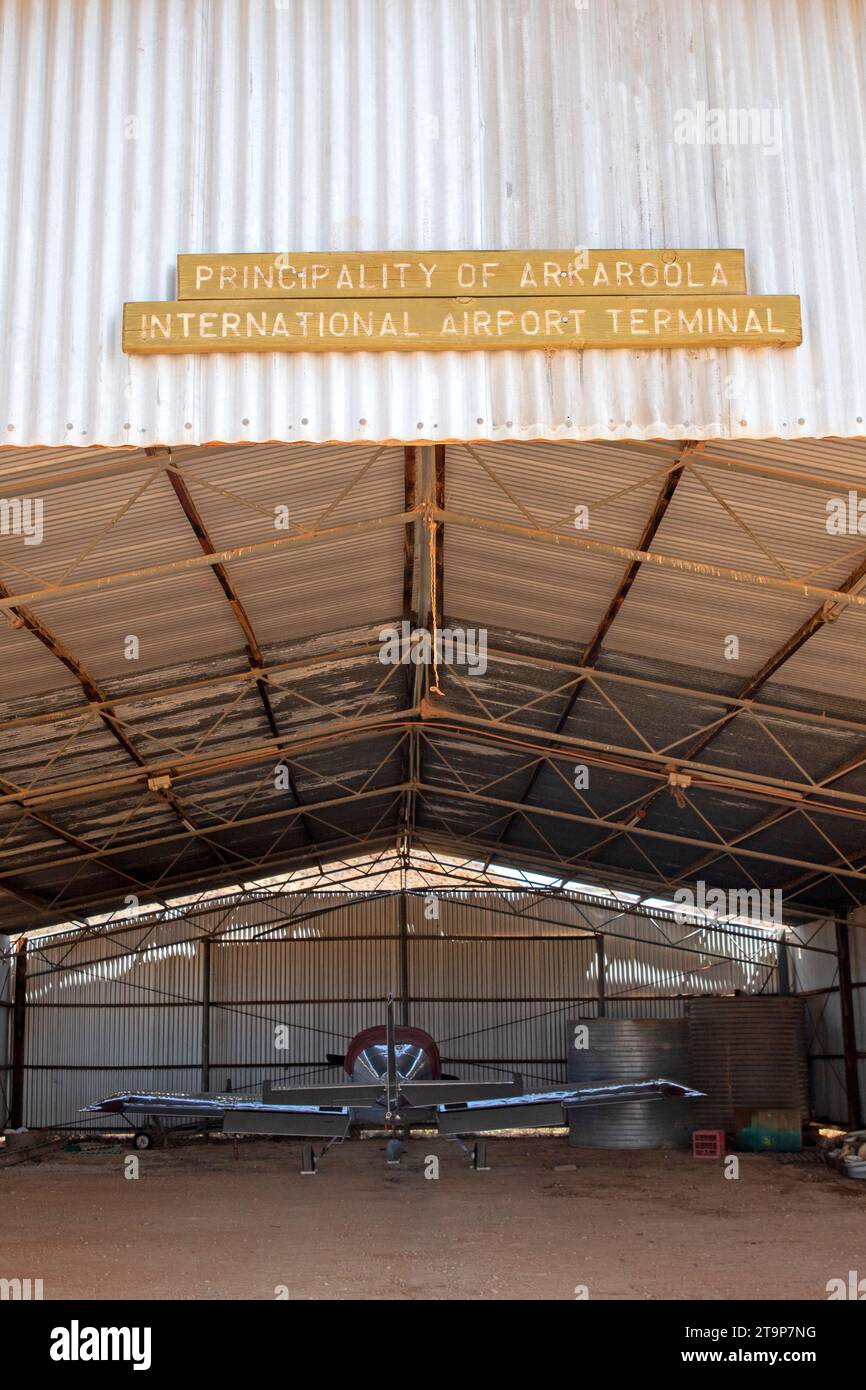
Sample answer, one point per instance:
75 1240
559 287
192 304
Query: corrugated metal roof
131 130
278 653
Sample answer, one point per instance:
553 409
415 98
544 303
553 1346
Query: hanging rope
435 688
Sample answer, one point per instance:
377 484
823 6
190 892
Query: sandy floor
199 1223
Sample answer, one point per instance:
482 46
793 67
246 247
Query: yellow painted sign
448 274
460 300
381 325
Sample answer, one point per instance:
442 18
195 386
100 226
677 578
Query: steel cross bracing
420 729
827 613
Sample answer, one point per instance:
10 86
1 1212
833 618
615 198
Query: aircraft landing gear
149 1136
479 1157
393 1152
477 1154
310 1159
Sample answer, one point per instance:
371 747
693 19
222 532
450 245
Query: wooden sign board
450 274
382 325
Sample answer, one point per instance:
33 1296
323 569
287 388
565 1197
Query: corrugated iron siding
493 976
746 1053
817 976
131 130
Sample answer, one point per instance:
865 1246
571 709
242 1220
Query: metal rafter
545 813
573 673
520 740
206 883
432 513
468 521
24 617
814 623
411 555
610 879
730 574
593 648
19 476
168 568
253 650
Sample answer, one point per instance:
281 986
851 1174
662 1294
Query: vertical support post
601 1008
849 1026
19 1036
439 566
205 1011
412 551
783 962
404 957
5 1025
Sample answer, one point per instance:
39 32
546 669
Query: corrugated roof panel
161 126
112 522
540 586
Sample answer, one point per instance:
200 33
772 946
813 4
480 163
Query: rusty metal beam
277 672
705 570
430 590
102 463
196 765
210 881
254 655
593 648
222 828
608 878
23 617
814 623
568 540
518 740
170 568
547 746
411 543
273 673
573 818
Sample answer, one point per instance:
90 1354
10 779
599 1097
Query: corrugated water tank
638 1049
746 1053
5 1025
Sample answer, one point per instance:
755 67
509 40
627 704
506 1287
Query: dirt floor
199 1223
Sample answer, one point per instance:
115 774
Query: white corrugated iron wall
131 130
817 977
493 976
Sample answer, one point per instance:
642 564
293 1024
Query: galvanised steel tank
746 1053
639 1049
5 1025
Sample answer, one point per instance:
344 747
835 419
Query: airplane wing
465 1107
541 1109
239 1114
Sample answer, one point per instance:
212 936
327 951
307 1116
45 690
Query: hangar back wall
196 1002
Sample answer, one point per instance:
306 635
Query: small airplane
395 1082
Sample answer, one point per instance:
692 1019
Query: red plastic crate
708 1143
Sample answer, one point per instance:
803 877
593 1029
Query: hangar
524 686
